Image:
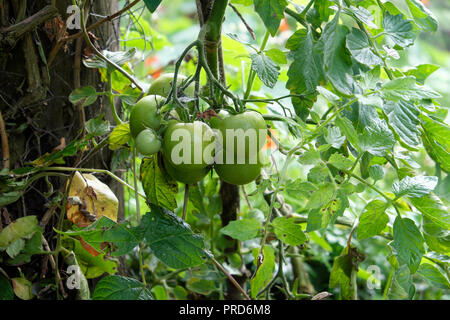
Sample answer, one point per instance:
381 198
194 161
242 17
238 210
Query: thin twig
249 29
186 199
230 277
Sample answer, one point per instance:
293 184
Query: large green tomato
185 176
147 142
238 173
163 84
240 136
189 146
144 114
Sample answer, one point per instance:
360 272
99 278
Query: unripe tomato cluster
145 122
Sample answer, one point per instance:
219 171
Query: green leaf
402 286
6 291
264 273
9 197
152 5
321 197
373 220
118 57
403 117
330 96
303 73
91 266
159 292
334 137
415 10
267 70
84 96
398 30
15 247
159 187
347 128
344 272
408 243
363 15
107 233
276 55
337 62
120 288
31 247
97 126
436 141
171 239
377 139
340 162
406 89
420 72
376 172
271 13
119 136
22 288
433 276
414 186
244 229
360 48
201 286
83 289
21 228
433 208
288 231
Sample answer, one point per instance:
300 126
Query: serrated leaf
402 286
288 231
398 30
267 70
436 142
159 187
347 128
337 62
120 288
433 276
340 162
97 126
84 96
304 71
420 72
406 89
376 172
403 117
363 15
330 96
271 13
22 228
414 186
171 239
244 229
433 208
360 48
120 136
373 220
377 139
276 55
408 243
415 10
344 271
264 273
106 232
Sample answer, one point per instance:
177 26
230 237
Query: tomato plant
337 181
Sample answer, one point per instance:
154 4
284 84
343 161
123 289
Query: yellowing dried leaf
97 200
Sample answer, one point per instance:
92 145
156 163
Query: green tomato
189 146
147 142
242 135
163 84
239 174
144 114
184 176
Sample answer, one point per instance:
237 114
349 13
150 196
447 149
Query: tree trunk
35 81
